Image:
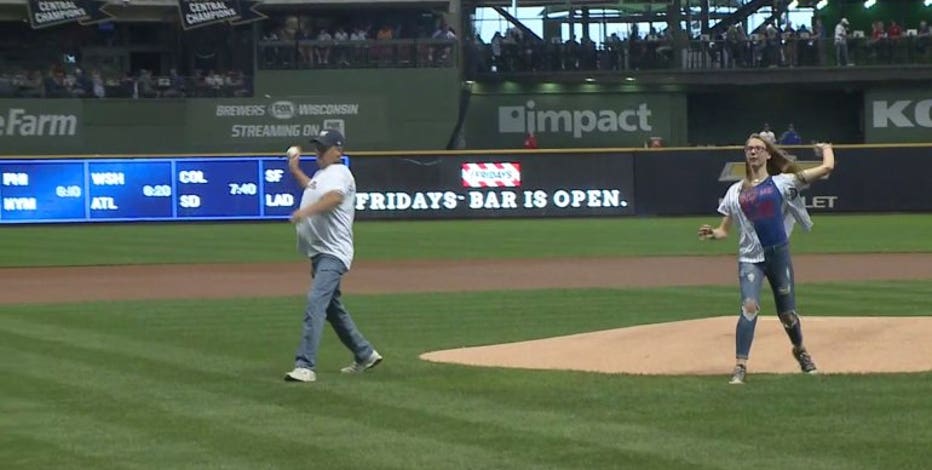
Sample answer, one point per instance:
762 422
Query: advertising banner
268 122
260 187
898 116
581 120
692 182
37 123
495 185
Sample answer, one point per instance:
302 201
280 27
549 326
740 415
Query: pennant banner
197 13
248 12
45 13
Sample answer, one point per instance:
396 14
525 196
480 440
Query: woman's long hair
779 162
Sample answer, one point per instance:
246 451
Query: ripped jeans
777 267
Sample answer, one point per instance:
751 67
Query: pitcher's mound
707 346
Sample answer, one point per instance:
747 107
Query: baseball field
164 346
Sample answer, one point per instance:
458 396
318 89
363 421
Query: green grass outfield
197 384
56 245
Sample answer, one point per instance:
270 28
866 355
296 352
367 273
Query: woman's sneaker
805 360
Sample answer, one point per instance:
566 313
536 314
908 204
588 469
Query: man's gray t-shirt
331 232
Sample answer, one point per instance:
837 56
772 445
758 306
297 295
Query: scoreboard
150 189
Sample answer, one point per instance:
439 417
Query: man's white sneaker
301 374
358 367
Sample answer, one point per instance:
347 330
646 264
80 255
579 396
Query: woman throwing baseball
765 205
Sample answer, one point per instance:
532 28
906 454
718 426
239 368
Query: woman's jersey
765 214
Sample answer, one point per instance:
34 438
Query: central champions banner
45 13
197 13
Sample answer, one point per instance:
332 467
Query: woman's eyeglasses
759 148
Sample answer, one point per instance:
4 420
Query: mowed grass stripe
449 240
658 441
402 419
777 413
404 414
225 421
184 431
20 450
69 337
446 319
82 437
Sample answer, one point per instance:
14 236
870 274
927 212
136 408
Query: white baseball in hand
293 151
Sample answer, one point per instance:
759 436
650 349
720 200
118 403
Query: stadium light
794 5
821 4
928 3
870 3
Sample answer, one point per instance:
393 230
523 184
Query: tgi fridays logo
491 175
45 13
197 13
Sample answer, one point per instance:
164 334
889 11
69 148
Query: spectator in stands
744 47
55 86
615 50
731 47
789 42
339 49
99 89
30 84
530 141
496 44
82 84
441 53
385 33
841 42
383 53
571 54
145 85
806 47
771 46
214 82
790 137
359 35
878 41
818 34
894 31
922 43
176 85
234 84
768 134
322 51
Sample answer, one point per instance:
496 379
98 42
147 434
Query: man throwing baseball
324 225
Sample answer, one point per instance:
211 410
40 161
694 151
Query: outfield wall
443 185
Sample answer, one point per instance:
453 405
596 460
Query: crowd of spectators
770 45
788 137
61 81
333 42
515 51
885 43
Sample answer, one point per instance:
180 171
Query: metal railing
698 54
394 53
155 86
